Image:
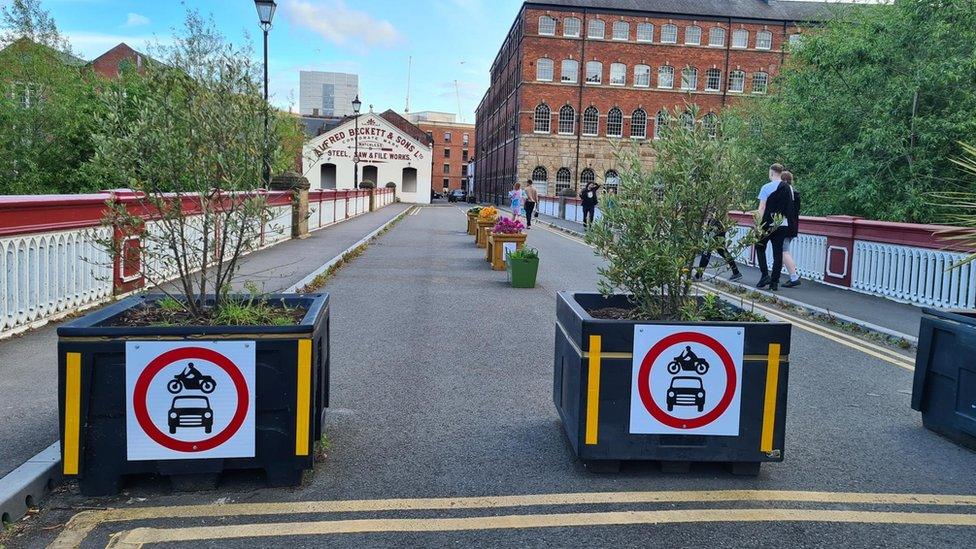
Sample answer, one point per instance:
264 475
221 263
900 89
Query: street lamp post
356 105
266 11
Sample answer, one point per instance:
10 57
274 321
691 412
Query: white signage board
189 399
507 248
686 380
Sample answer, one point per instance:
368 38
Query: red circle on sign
644 377
141 390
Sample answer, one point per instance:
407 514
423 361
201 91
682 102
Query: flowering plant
474 211
508 226
488 213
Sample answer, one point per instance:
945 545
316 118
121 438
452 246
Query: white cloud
342 25
135 20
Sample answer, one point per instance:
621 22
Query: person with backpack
793 230
779 204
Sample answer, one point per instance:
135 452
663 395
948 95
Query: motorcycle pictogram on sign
686 380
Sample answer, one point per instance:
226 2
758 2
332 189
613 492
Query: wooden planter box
482 229
472 224
496 248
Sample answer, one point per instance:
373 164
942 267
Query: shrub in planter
506 236
523 267
367 185
472 215
650 369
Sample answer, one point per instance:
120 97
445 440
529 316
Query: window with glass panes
645 32
611 179
713 80
447 168
543 70
596 28
669 34
665 77
660 123
542 118
587 176
638 124
570 71
642 76
716 37
540 175
594 72
621 30
689 78
615 123
760 82
764 40
571 27
710 123
618 74
693 36
567 120
563 179
591 121
547 25
740 38
737 81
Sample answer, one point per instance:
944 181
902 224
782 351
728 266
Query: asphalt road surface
443 433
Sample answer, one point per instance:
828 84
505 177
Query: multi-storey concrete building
327 93
453 147
574 78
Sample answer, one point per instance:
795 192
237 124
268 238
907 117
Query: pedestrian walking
793 230
718 236
531 199
589 202
515 195
778 204
775 175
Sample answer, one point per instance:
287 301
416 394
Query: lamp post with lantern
356 105
266 10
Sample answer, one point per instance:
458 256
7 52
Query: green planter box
522 272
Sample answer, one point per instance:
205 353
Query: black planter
596 355
945 375
288 394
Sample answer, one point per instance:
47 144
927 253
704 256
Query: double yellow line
877 351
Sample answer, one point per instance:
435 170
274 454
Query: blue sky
448 39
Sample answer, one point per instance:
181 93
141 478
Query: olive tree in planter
648 368
167 383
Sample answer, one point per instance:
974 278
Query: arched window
570 71
795 39
716 37
645 32
710 123
571 27
688 121
689 78
760 82
669 34
540 175
740 38
693 35
594 72
638 124
618 74
567 120
596 28
737 81
615 123
621 30
547 26
591 121
764 40
587 176
713 80
611 179
543 70
642 76
665 77
660 123
563 179
542 118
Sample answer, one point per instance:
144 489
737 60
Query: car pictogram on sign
190 411
686 391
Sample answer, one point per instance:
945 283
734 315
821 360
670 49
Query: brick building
109 64
454 147
574 78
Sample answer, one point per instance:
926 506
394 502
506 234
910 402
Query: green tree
47 106
868 110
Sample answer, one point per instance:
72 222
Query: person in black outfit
718 234
589 198
779 203
793 230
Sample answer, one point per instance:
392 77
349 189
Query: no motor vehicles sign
686 380
189 400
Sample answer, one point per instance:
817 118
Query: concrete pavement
442 389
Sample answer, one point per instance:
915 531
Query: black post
266 171
355 154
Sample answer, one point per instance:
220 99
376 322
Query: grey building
327 93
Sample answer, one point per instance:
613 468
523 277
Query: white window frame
740 39
636 116
689 78
767 40
713 34
607 179
615 116
758 77
717 74
537 171
620 71
544 67
596 24
574 74
564 179
569 25
543 28
710 123
587 176
645 27
737 76
638 81
562 119
589 120
669 34
665 71
621 26
694 31
600 74
660 121
537 119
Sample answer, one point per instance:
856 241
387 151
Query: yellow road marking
84 522
72 413
769 405
593 391
140 536
303 406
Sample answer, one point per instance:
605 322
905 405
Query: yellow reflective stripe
769 406
593 391
72 413
303 407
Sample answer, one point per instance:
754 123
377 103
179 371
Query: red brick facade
512 145
454 152
109 63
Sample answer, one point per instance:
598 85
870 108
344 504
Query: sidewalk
28 363
872 311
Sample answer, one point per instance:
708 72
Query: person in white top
775 176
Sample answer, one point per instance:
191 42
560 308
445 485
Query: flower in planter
488 213
508 226
524 253
475 211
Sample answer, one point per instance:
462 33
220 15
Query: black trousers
724 253
529 208
588 211
776 239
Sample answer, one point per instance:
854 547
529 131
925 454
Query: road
442 411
